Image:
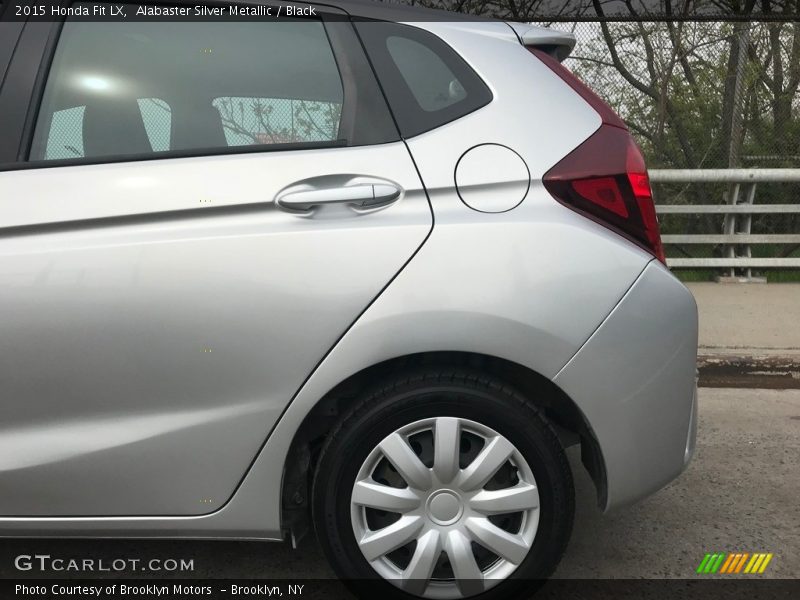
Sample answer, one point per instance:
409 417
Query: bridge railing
734 235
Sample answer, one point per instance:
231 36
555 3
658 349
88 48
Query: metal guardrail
736 236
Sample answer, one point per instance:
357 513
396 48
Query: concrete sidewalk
748 317
749 334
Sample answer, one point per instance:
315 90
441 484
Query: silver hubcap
445 508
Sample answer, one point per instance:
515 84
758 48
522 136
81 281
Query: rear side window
427 83
139 88
434 87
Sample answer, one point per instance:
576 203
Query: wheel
443 484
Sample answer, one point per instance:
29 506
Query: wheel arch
559 408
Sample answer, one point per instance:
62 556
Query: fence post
746 223
729 223
739 194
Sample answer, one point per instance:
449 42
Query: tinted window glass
434 87
65 137
136 88
426 82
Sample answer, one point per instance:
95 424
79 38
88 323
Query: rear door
198 211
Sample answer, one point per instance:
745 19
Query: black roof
398 11
390 10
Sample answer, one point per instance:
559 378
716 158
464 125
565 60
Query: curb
740 370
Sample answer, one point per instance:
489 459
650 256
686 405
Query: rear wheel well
559 409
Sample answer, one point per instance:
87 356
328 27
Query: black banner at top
405 10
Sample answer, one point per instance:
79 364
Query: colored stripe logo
731 563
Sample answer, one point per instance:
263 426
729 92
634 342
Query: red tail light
605 177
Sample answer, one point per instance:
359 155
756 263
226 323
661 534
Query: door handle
362 195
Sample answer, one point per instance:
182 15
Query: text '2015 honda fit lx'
369 271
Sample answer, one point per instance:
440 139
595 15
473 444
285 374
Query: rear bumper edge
635 381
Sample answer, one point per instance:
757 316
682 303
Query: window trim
37 91
17 91
8 43
31 96
169 154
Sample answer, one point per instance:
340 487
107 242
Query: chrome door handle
363 195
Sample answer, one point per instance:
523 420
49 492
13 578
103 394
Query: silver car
367 272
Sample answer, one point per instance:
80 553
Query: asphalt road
741 493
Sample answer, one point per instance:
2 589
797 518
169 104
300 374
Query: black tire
434 392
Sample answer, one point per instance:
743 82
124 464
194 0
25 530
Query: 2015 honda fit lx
338 272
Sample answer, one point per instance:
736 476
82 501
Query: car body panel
156 325
533 113
411 316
